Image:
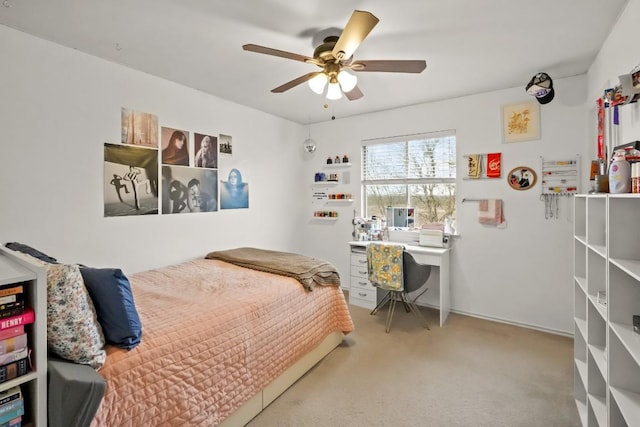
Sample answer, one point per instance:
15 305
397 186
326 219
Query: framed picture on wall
521 122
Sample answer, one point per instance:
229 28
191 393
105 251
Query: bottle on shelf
619 174
329 161
345 159
337 160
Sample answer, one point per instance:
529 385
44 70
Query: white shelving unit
322 190
606 349
14 269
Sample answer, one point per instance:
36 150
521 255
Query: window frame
406 182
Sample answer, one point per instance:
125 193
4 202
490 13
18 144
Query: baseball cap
541 86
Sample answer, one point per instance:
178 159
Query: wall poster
521 122
130 180
187 190
139 128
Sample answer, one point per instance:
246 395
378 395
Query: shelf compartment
579 259
582 283
580 393
627 404
597 221
580 223
593 301
580 347
624 375
629 266
580 303
581 366
596 273
598 407
582 412
623 240
624 295
628 339
598 354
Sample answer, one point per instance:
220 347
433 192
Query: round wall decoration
522 178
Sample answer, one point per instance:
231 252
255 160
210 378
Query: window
417 171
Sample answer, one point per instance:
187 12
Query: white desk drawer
362 283
362 296
358 260
362 302
359 271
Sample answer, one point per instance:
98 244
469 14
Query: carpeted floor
471 372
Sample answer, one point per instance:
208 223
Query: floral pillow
73 331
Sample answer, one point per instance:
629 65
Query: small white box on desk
433 238
404 236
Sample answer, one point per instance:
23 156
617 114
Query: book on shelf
11 309
28 316
12 289
16 422
10 394
14 369
10 409
13 344
11 298
13 356
11 332
10 416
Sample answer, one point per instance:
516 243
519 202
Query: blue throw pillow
111 293
26 249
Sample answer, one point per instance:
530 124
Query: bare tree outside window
415 171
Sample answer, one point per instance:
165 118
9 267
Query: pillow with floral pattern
73 331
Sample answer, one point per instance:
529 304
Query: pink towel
490 212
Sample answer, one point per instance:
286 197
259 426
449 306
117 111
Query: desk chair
396 271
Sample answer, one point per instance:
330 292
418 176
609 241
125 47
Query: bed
220 342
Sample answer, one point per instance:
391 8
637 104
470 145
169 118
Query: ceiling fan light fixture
318 83
347 80
333 91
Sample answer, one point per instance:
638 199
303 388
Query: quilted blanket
307 270
214 335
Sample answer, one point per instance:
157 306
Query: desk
363 294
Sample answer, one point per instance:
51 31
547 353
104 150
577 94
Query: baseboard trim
506 321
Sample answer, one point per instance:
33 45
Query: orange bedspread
214 335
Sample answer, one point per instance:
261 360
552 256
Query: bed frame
257 403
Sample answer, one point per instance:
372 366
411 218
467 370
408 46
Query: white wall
59 106
520 274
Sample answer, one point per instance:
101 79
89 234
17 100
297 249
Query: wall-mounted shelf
338 201
337 166
325 183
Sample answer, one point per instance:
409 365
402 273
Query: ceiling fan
335 57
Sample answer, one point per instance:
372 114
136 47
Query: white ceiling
470 46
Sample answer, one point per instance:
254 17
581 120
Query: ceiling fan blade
295 82
354 94
390 66
359 26
275 52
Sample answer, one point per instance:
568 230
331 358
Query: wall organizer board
559 178
483 166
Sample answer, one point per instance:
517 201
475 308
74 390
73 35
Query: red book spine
11 332
21 319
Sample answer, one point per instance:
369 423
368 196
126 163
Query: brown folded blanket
308 271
